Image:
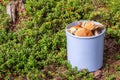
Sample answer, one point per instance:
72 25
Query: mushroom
82 32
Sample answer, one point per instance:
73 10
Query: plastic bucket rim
103 31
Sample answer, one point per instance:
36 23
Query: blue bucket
85 52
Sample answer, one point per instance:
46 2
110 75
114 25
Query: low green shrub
40 39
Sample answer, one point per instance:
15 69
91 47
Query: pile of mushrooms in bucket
86 29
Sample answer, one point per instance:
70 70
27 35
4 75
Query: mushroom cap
82 32
89 25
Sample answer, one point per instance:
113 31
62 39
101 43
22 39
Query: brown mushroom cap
76 27
82 32
89 25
